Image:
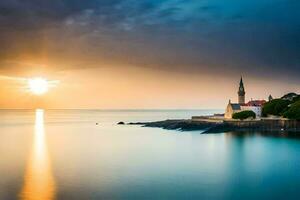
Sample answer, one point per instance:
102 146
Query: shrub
295 99
244 115
275 107
294 111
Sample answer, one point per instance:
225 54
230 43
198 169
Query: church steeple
241 92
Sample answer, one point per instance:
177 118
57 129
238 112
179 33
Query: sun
38 86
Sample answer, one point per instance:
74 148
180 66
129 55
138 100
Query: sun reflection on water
39 182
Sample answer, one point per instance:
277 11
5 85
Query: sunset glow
149 99
38 86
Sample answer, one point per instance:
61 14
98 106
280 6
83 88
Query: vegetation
295 99
287 106
294 111
290 96
275 107
244 115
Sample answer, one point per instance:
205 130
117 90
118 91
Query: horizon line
118 109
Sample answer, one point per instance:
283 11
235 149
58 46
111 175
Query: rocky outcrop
266 125
182 125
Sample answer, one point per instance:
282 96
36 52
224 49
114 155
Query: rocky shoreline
211 126
182 125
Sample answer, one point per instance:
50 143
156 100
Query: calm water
58 154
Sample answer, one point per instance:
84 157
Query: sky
113 54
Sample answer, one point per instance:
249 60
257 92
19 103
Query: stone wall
265 125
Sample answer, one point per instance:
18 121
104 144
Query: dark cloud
250 36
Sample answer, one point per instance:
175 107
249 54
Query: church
253 105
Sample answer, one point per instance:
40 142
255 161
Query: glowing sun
38 86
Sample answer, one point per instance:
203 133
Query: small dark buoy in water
96 123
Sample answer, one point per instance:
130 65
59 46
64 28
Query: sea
85 155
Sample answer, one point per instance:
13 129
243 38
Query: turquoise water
63 154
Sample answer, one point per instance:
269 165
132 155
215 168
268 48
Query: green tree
294 111
244 115
295 99
290 96
275 107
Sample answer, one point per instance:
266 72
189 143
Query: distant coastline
209 125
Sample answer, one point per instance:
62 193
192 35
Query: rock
137 123
183 125
121 123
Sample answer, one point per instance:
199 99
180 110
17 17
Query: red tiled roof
256 103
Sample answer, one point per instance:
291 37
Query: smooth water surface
63 154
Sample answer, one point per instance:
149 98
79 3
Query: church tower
241 92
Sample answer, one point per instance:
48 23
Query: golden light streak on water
39 182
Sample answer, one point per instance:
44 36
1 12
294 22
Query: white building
256 109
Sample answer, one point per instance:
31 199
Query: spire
241 87
241 92
241 83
